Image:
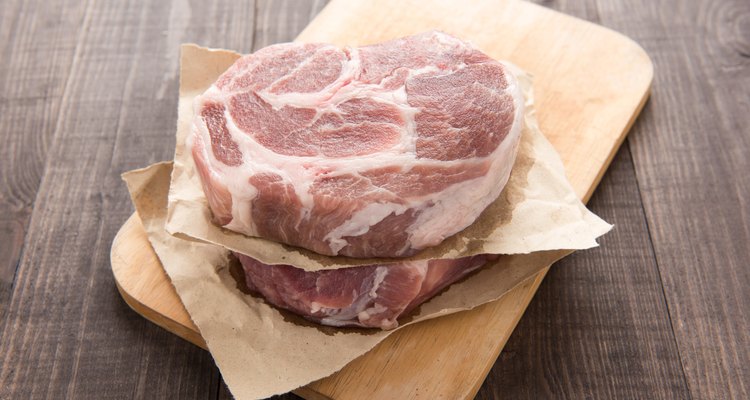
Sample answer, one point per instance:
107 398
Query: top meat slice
377 151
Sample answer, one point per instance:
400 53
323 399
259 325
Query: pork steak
377 151
371 296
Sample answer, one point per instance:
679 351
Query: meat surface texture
377 151
371 296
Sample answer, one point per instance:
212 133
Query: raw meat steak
372 296
377 151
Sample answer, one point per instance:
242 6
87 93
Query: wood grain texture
37 50
691 160
67 333
158 300
598 326
603 306
282 20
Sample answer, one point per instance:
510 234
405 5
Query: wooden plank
67 333
36 62
279 21
157 297
691 160
597 291
599 326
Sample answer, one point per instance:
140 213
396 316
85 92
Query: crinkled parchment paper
261 350
538 209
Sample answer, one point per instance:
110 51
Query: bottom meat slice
372 296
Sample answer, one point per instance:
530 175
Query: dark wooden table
89 90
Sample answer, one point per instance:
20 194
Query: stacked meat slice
377 151
368 296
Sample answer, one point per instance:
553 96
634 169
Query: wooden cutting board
590 84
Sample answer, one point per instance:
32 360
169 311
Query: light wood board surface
590 83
